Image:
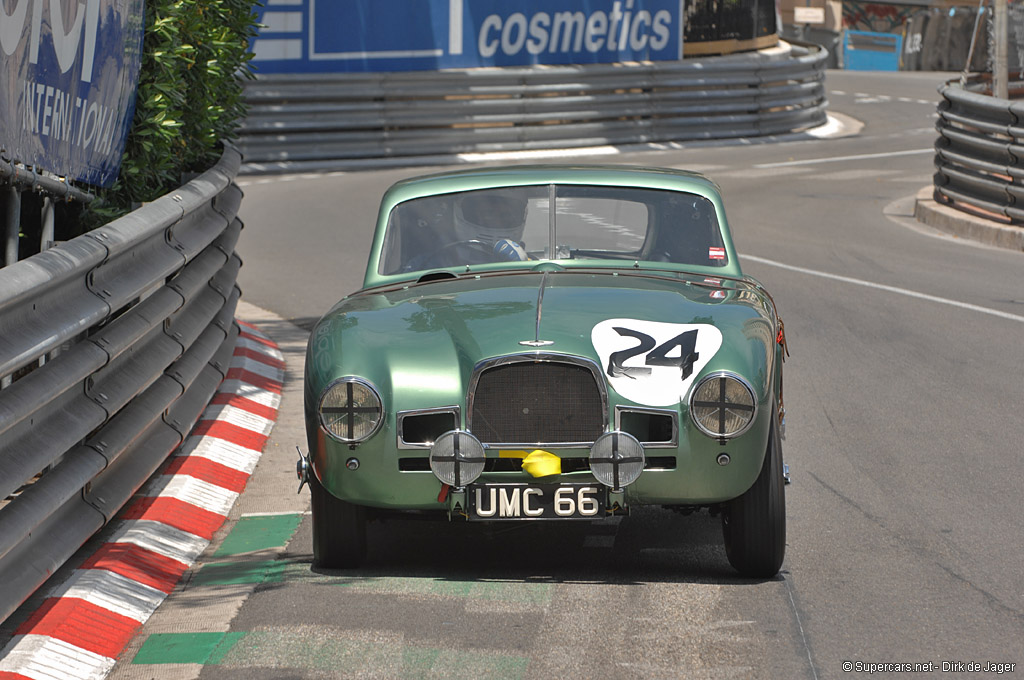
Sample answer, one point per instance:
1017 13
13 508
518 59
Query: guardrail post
12 220
46 239
1000 84
12 227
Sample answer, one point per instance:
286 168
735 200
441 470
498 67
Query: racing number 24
656 356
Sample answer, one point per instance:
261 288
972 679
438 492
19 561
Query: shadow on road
653 545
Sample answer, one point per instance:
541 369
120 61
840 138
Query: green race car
549 343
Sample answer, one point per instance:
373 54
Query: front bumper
690 474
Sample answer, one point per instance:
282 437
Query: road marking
273 514
251 534
317 649
193 648
851 174
838 159
41 657
537 154
831 127
754 173
160 538
116 592
888 289
800 625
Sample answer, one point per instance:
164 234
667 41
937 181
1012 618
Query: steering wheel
474 244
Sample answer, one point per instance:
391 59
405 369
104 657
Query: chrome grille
530 401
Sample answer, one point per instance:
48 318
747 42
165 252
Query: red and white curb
79 631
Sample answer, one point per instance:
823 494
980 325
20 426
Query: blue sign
69 78
330 36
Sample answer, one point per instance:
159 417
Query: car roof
520 175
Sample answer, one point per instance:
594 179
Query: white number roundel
651 362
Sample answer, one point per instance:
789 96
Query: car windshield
511 224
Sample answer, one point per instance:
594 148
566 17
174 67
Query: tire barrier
114 343
326 119
980 141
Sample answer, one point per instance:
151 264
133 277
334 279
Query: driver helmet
490 216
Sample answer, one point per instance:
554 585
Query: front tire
754 524
339 529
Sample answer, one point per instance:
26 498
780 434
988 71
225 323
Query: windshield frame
677 183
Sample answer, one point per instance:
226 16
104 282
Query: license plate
541 501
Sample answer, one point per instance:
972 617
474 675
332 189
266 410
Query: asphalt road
904 393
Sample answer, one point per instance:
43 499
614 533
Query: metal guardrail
307 119
979 156
116 341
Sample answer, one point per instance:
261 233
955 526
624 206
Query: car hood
420 343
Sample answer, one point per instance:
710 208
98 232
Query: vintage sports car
549 343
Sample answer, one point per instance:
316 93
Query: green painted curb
259 533
198 648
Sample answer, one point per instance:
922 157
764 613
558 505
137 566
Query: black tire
754 525
339 529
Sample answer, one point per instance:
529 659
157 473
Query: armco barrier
979 156
309 119
116 341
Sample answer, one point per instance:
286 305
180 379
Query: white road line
113 592
258 367
837 159
204 495
283 513
239 417
251 392
221 451
245 343
491 156
888 289
41 657
160 538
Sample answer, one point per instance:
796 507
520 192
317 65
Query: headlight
616 459
457 458
351 410
723 405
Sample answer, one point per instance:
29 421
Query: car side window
686 231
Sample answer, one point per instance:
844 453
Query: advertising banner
330 36
68 74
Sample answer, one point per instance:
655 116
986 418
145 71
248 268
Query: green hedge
195 58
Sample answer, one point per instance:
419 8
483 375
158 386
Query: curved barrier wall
321 118
115 341
979 156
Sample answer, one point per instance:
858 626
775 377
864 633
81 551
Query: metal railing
308 119
979 156
113 344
